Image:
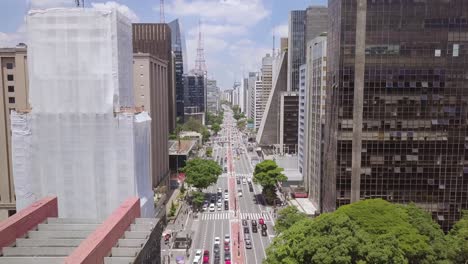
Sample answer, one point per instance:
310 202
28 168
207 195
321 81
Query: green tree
458 241
287 217
369 231
198 198
173 209
201 173
209 152
216 128
241 124
268 174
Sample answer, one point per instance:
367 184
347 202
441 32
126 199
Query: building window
437 52
10 77
9 65
11 89
142 96
11 100
456 50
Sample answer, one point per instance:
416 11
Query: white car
226 198
220 190
239 192
219 207
212 207
205 207
198 255
244 181
217 240
227 239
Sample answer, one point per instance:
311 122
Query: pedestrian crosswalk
230 215
244 175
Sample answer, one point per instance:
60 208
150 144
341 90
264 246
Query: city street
229 146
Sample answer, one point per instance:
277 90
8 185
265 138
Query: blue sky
236 33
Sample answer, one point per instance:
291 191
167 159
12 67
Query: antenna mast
200 64
161 11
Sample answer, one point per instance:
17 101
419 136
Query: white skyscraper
83 141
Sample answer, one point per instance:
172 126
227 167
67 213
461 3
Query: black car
264 232
264 227
238 180
226 205
216 249
244 222
250 188
246 230
254 229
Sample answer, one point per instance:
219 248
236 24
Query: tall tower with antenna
200 64
161 11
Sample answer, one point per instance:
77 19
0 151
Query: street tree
216 128
201 173
268 174
287 217
198 198
241 124
369 231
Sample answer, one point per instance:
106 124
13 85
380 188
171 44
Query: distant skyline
236 33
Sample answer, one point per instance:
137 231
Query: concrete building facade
302 126
156 39
212 96
13 96
150 88
263 88
251 96
396 109
315 118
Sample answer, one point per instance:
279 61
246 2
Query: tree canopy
241 124
369 231
267 173
216 128
458 240
201 173
195 125
287 217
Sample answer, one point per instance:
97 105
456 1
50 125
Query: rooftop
184 149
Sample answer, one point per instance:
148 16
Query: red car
261 221
206 257
227 262
226 248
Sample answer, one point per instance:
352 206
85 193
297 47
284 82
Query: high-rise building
156 39
289 121
236 89
150 90
303 126
180 65
13 96
263 88
82 141
244 95
212 96
283 44
304 25
315 117
396 109
269 130
195 91
251 95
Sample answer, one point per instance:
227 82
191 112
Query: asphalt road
209 225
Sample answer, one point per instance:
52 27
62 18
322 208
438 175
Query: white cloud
280 30
50 3
218 30
122 8
12 39
244 12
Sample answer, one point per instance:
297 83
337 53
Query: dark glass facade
195 91
396 119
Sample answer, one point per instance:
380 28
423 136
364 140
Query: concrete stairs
132 242
50 242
